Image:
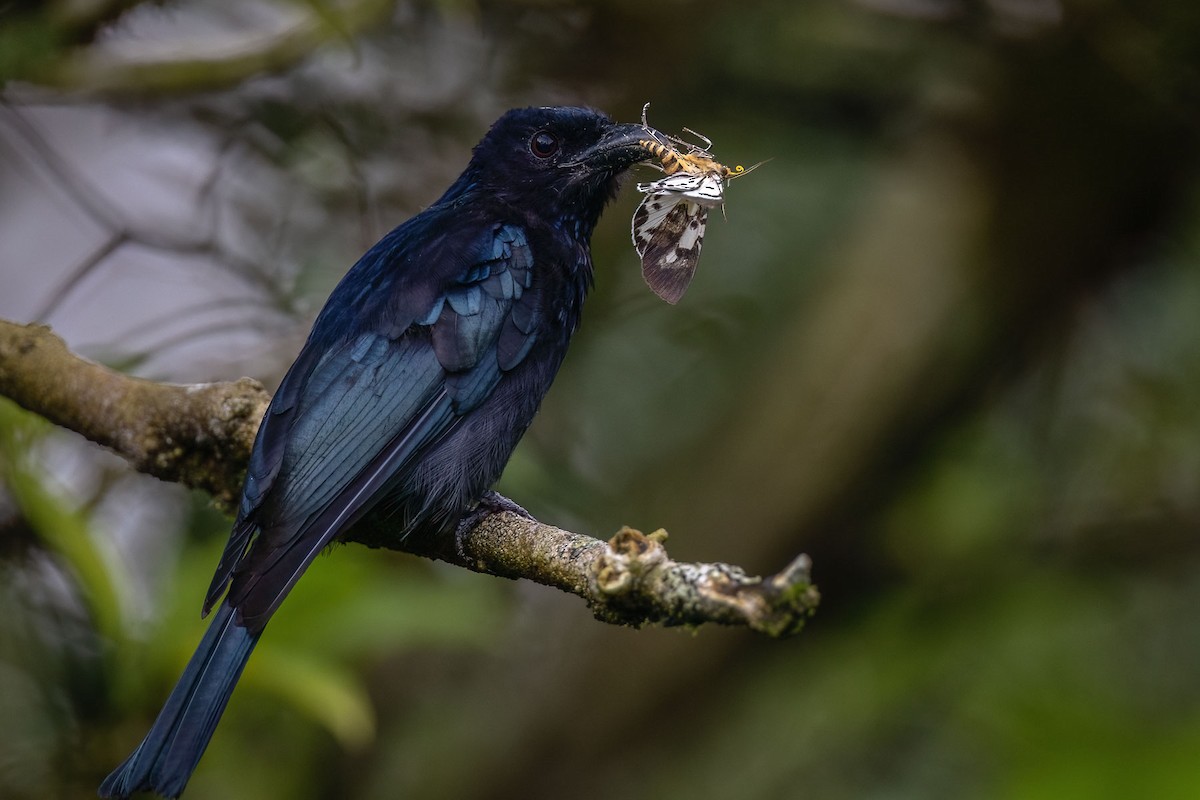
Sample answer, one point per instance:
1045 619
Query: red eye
543 144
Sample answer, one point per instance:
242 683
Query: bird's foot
491 502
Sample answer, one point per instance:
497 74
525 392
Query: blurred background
947 343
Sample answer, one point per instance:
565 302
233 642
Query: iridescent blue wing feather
400 393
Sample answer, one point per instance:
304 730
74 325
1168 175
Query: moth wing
651 218
668 232
679 183
709 191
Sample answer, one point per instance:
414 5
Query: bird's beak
620 147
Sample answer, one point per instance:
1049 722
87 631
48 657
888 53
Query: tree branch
201 436
198 435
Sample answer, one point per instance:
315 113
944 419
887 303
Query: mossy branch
198 435
201 436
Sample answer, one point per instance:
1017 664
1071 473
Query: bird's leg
491 502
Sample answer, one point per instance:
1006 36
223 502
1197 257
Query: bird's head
562 161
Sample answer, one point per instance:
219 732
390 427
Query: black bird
423 370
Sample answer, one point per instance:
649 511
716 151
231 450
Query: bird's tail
165 759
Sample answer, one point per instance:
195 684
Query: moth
669 225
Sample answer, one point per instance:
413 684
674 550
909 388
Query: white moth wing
679 183
668 232
651 218
709 192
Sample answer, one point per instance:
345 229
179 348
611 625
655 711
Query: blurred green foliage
947 343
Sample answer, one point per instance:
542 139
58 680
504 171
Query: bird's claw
491 502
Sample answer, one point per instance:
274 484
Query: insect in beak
669 225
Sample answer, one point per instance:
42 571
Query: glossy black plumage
421 373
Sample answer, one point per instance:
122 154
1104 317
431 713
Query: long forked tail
165 759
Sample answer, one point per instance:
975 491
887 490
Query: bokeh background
947 343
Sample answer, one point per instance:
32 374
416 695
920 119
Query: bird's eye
543 144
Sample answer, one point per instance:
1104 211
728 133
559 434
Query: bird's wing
349 418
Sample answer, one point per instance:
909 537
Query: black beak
620 147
